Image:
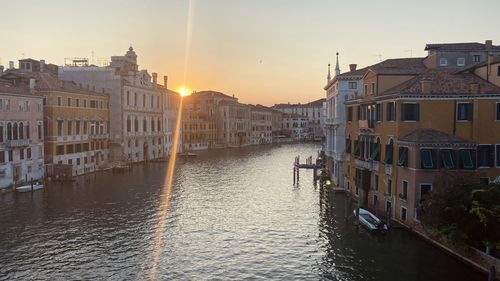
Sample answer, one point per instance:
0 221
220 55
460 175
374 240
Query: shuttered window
485 156
466 159
403 157
446 159
464 111
427 159
410 112
388 154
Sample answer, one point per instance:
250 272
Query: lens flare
184 92
165 199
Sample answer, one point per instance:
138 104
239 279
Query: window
403 157
375 151
403 213
60 150
128 98
357 148
404 191
59 101
464 111
497 150
446 159
498 111
476 58
443 61
366 89
11 155
388 152
353 85
59 127
128 124
2 156
348 144
410 112
466 159
373 88
349 113
70 129
85 103
484 180
28 153
21 154
69 101
77 127
498 71
484 155
77 102
424 190
389 187
379 111
135 99
460 61
390 111
375 184
427 159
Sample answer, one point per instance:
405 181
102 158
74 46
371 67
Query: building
413 123
21 135
75 120
261 124
140 113
315 113
233 124
296 127
338 89
201 124
457 55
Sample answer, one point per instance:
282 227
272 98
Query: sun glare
184 92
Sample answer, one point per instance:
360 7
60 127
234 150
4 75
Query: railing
366 124
368 164
18 143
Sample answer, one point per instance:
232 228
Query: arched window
28 131
14 131
9 131
21 131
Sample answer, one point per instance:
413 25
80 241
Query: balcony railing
367 164
18 143
366 124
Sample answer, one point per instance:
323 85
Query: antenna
411 52
92 57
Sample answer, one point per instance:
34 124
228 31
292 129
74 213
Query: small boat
27 188
187 154
370 221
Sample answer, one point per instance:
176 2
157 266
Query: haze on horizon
262 51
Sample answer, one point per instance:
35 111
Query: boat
370 221
187 154
27 188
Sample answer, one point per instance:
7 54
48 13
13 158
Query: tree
463 210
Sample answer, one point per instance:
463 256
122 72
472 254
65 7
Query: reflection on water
233 214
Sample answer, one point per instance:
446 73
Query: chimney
42 65
155 78
32 83
488 44
426 86
474 88
11 65
352 66
1 69
165 81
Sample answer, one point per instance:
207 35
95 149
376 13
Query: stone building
457 55
140 112
338 89
315 113
233 124
261 124
296 127
21 135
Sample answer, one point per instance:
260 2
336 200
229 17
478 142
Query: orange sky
262 51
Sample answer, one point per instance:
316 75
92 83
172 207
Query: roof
471 46
312 103
44 81
211 93
9 88
411 66
317 102
357 72
430 136
443 81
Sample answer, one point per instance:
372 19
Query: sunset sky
262 51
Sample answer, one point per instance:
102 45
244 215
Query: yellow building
410 124
76 120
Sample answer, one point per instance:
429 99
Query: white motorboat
370 221
27 188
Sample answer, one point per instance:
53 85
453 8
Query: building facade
261 125
400 138
313 111
21 135
233 124
338 90
140 113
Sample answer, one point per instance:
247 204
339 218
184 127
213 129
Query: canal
234 214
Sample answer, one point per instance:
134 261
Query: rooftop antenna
92 57
379 56
411 52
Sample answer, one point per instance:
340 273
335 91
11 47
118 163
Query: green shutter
426 159
466 159
447 159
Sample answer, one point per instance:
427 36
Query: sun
184 91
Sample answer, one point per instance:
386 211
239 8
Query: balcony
366 125
18 143
367 164
333 121
388 169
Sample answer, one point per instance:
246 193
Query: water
234 214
